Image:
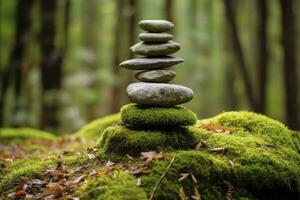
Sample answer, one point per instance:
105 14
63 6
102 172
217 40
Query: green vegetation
17 135
145 116
122 140
95 128
120 185
242 155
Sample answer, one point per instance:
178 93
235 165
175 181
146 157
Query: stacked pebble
154 89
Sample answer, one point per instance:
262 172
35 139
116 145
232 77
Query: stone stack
154 92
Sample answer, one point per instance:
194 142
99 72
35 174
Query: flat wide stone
148 63
155 49
157 117
155 37
156 76
159 94
156 26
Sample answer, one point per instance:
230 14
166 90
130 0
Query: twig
161 178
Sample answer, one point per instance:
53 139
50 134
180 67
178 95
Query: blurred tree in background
59 58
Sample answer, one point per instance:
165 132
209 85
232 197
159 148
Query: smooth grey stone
147 63
156 76
155 49
156 26
159 94
155 37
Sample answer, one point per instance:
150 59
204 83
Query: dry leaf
201 145
109 163
139 181
220 150
230 190
183 176
79 180
215 127
194 179
91 156
196 195
181 194
20 193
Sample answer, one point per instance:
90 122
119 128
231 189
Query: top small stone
156 26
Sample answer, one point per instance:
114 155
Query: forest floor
235 155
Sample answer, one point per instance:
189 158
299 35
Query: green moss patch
260 125
144 116
118 186
96 127
18 135
123 140
235 155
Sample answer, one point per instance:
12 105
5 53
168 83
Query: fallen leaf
196 195
201 145
91 156
181 194
220 150
60 167
109 163
139 181
194 178
183 176
93 173
215 127
230 190
20 193
151 155
79 179
129 157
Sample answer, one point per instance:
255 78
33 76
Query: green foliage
145 116
96 127
123 140
120 185
18 135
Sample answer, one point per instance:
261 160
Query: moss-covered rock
244 156
18 135
95 128
145 116
122 140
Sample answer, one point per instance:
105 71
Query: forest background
59 58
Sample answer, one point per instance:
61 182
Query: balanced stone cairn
154 93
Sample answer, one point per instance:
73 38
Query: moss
145 116
96 127
260 125
18 135
33 167
120 185
122 140
260 161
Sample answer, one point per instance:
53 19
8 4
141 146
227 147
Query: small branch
161 178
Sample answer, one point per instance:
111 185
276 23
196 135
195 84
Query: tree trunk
14 67
263 56
289 67
133 21
116 89
169 10
237 47
51 65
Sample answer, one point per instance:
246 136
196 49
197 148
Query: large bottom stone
122 140
144 116
159 94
